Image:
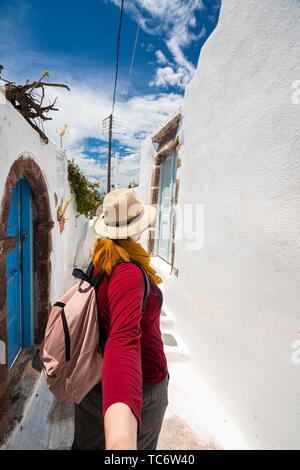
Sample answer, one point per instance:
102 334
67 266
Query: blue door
19 272
13 273
166 199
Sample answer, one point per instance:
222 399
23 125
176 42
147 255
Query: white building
35 258
232 289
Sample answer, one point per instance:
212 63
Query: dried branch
25 99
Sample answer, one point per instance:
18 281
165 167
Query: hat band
125 222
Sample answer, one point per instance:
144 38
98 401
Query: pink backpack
70 352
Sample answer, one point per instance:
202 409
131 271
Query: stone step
174 348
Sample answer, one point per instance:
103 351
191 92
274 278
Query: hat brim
135 227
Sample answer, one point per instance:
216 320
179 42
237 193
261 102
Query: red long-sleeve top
133 351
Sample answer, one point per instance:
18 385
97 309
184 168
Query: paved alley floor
39 422
46 424
177 435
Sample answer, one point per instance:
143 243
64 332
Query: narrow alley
187 114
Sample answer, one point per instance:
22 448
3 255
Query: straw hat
123 215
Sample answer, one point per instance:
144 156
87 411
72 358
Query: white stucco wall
236 298
18 138
241 146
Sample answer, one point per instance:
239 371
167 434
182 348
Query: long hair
107 253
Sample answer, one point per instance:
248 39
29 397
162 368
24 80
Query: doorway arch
42 224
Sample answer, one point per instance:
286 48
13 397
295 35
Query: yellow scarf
108 252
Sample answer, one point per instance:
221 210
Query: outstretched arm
122 373
120 426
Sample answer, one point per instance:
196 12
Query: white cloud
89 102
128 169
166 76
94 149
172 20
180 39
84 108
161 58
150 48
142 114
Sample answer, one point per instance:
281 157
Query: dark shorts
89 432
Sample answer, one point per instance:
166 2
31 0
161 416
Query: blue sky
76 43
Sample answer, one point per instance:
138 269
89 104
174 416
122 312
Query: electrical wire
113 102
132 61
117 64
136 38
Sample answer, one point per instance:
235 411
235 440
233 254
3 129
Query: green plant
62 209
177 143
87 196
14 395
132 184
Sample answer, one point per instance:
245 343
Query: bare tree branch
29 103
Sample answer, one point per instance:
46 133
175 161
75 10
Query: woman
126 409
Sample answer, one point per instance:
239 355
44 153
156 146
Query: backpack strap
147 284
65 327
86 276
90 269
94 281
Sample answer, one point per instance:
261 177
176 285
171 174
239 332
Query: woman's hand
120 426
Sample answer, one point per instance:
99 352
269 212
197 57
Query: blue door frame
13 274
166 199
19 272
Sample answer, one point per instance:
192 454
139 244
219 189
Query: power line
117 65
136 38
113 103
132 60
110 118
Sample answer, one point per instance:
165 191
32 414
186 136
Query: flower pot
61 225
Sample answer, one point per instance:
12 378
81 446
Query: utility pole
117 170
109 153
